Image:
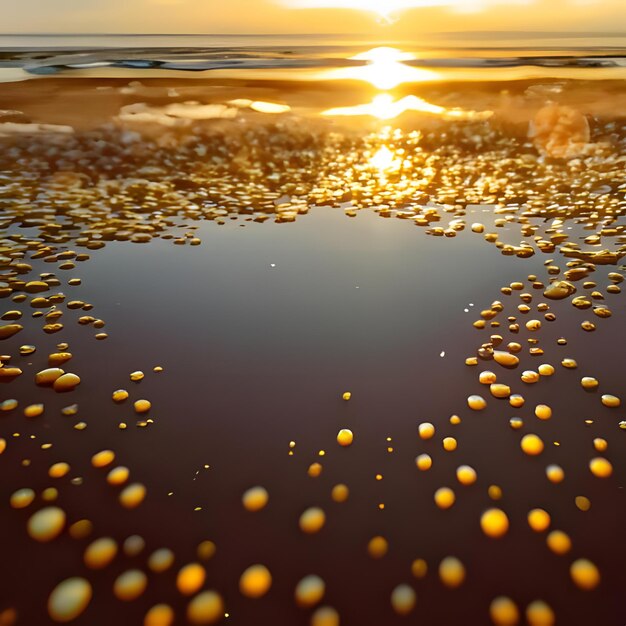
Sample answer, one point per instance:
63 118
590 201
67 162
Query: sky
309 16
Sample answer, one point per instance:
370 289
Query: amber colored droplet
69 599
340 493
419 568
601 467
130 585
451 572
494 523
345 437
255 582
559 542
426 430
132 496
325 616
377 547
100 553
582 503
255 499
538 613
444 497
476 403
585 574
190 579
206 608
159 615
46 524
532 444
103 458
309 591
539 520
403 599
504 612
312 520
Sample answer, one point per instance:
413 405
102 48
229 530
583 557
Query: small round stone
611 401
476 403
424 462
466 475
539 520
589 383
142 406
600 467
426 430
66 382
532 444
444 497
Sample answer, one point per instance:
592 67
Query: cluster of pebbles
75 192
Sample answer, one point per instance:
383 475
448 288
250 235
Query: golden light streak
384 107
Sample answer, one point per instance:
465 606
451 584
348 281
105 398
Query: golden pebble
466 475
325 616
132 496
340 493
506 359
500 391
584 574
120 395
424 462
161 560
545 369
504 612
255 582
33 410
611 401
426 430
451 572
539 520
142 406
487 378
543 411
600 467
345 437
494 523
309 591
130 585
22 498
559 542
48 376
134 545
346 395
100 553
449 444
533 325
476 403
206 608
531 444
555 473
403 599
377 547
69 599
137 376
455 420
516 400
312 520
190 579
569 364
66 382
589 383
159 615
50 494
529 377
444 497
46 524
102 459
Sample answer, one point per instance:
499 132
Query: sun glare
384 107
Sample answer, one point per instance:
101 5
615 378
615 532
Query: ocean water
260 225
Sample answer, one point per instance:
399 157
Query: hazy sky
310 16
